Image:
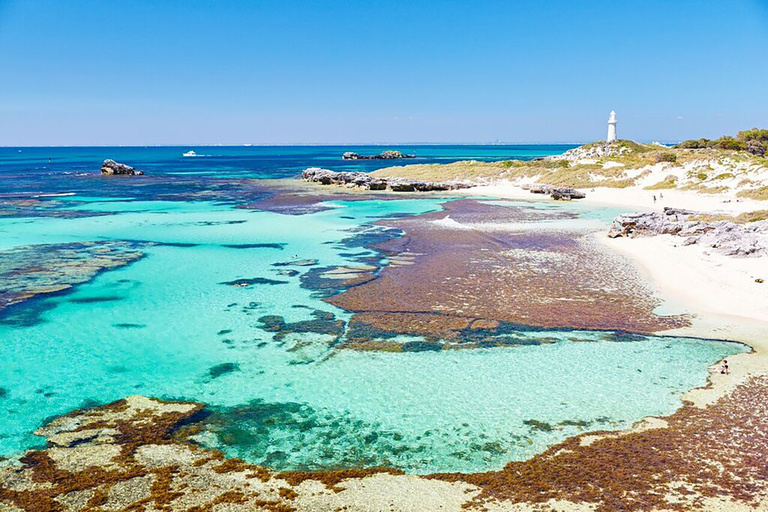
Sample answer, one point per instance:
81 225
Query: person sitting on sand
724 369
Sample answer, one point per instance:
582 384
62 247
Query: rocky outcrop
725 236
112 168
557 193
384 155
368 182
596 150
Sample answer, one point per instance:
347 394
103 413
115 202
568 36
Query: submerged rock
31 270
384 155
112 168
725 236
368 182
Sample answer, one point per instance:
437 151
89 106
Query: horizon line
316 144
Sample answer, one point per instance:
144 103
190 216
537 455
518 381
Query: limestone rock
384 155
725 236
112 168
368 182
557 193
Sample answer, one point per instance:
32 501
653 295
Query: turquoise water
165 326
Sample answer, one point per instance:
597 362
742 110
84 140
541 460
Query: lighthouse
611 127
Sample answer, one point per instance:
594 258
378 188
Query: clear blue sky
186 72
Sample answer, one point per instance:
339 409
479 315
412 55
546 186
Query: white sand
635 198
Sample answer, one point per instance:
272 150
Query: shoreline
694 282
719 292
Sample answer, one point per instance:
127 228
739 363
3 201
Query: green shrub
754 141
728 142
695 144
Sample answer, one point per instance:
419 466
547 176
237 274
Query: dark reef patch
129 326
222 369
175 244
296 263
96 299
540 426
27 314
322 322
242 283
279 246
216 223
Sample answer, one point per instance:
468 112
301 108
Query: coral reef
477 262
32 270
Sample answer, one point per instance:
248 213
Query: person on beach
661 196
654 198
724 369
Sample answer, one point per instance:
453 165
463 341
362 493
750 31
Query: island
384 155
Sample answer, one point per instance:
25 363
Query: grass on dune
742 218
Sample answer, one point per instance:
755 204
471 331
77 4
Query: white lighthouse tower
611 127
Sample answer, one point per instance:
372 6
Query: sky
75 72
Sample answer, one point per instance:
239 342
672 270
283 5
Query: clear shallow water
165 326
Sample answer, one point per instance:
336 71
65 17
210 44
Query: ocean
208 301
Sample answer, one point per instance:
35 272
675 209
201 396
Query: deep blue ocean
249 161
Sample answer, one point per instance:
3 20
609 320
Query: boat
190 153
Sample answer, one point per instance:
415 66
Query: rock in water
368 182
112 168
384 155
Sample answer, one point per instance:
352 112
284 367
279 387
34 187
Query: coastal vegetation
742 218
728 165
754 141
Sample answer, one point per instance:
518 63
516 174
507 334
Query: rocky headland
728 237
384 155
366 181
111 168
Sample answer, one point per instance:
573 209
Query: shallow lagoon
166 326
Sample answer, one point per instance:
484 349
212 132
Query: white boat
189 153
